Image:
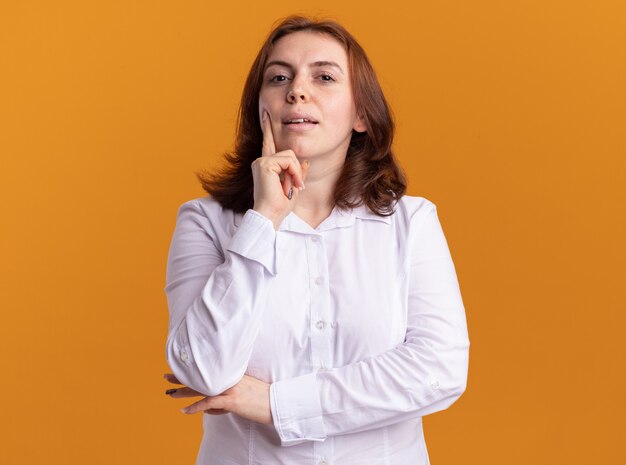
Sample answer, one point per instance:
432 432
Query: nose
297 92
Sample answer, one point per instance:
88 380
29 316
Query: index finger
268 137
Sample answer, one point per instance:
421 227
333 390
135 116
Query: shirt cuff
296 410
255 239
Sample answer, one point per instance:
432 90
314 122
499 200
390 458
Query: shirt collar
337 219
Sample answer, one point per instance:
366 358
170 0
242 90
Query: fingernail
170 391
264 115
185 410
290 194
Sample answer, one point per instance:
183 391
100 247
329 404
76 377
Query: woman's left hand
249 398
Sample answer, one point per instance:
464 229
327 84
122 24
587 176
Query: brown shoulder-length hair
370 175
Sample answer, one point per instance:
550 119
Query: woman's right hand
275 198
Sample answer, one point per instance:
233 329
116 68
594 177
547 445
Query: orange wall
511 118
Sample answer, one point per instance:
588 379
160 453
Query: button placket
321 336
320 299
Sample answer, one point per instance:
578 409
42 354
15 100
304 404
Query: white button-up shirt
358 325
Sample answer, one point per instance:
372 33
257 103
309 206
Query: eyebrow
315 64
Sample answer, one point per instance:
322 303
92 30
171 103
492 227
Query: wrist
275 218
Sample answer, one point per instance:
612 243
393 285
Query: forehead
303 47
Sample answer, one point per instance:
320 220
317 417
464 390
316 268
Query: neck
316 201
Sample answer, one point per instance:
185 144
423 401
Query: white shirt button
319 280
320 324
184 355
314 239
435 385
322 462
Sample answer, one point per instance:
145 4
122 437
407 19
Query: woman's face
306 75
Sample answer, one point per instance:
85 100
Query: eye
327 77
278 78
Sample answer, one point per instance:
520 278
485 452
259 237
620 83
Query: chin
299 150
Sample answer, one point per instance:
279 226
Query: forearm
213 326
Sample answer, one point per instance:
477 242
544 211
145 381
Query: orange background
511 117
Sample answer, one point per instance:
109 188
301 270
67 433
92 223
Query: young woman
313 305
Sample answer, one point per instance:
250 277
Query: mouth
295 118
299 121
299 125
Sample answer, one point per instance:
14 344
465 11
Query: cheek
269 103
342 111
262 105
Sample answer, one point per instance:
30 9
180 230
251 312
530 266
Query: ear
359 125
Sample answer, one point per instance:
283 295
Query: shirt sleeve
424 374
215 298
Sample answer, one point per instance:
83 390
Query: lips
299 118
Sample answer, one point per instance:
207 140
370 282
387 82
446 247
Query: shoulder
412 210
413 204
209 215
206 207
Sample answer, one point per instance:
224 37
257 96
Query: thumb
305 169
